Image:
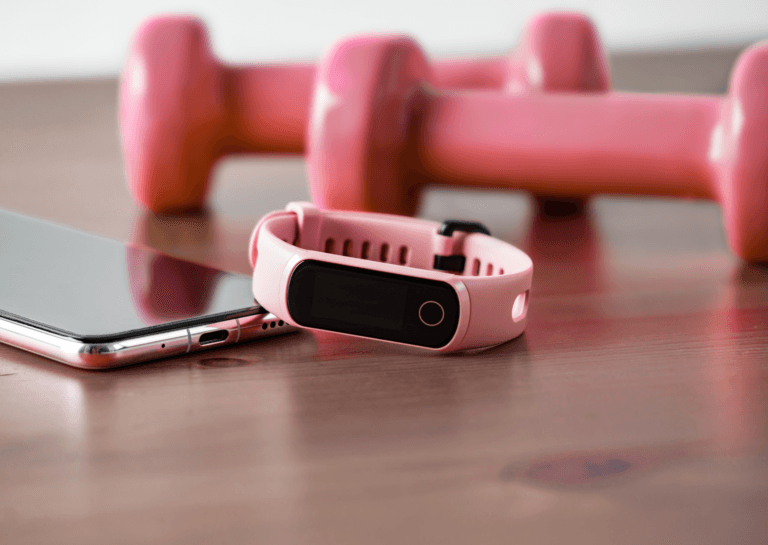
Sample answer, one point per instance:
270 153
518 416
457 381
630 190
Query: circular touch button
431 313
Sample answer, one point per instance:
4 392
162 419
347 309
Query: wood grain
633 410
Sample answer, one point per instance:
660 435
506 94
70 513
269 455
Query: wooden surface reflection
633 410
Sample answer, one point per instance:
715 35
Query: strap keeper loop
455 262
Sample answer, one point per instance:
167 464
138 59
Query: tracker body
491 292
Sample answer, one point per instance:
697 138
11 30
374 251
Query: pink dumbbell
181 109
378 132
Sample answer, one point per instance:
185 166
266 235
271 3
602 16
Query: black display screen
96 290
355 299
373 304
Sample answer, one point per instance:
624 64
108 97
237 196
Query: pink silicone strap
492 291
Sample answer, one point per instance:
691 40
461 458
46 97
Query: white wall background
53 39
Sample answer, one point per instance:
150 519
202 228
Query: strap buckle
456 263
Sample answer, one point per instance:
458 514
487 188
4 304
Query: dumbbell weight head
740 152
171 96
559 52
367 92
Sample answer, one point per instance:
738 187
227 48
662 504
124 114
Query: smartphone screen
94 290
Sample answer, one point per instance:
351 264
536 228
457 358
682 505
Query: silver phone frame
140 348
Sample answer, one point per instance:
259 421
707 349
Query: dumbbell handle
574 145
471 73
270 103
269 107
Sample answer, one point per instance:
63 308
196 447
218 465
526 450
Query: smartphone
95 303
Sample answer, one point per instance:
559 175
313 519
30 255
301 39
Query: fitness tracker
392 278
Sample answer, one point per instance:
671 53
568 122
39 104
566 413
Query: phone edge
139 349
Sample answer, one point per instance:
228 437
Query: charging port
213 337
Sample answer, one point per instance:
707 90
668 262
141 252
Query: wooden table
633 410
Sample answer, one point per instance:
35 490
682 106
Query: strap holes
489 269
403 258
347 250
384 252
365 250
475 267
329 244
501 271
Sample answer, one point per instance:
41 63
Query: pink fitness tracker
397 279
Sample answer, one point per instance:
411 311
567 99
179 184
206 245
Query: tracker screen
359 300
